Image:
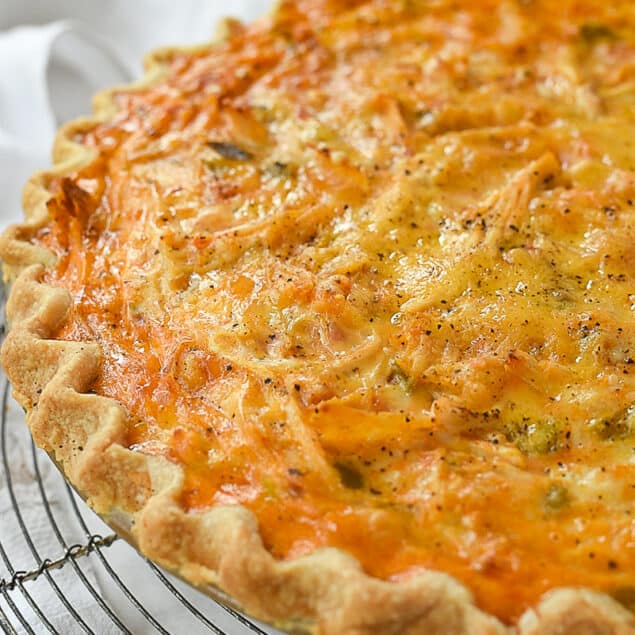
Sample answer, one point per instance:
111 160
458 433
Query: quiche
337 315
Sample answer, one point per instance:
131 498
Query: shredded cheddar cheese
367 269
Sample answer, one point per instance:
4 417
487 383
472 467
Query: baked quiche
337 314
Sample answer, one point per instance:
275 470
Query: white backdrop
54 54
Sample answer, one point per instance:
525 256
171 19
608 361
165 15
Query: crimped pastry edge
325 592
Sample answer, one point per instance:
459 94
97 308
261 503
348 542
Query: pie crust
325 592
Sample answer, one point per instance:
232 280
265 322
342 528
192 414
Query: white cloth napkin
53 56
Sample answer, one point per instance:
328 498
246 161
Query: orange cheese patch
367 269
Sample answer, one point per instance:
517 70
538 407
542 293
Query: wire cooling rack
86 563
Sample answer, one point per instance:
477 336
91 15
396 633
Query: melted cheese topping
367 268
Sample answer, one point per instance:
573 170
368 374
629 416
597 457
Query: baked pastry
338 314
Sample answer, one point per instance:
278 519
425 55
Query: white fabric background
54 54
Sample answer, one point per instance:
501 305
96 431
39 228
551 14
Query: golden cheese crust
338 314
